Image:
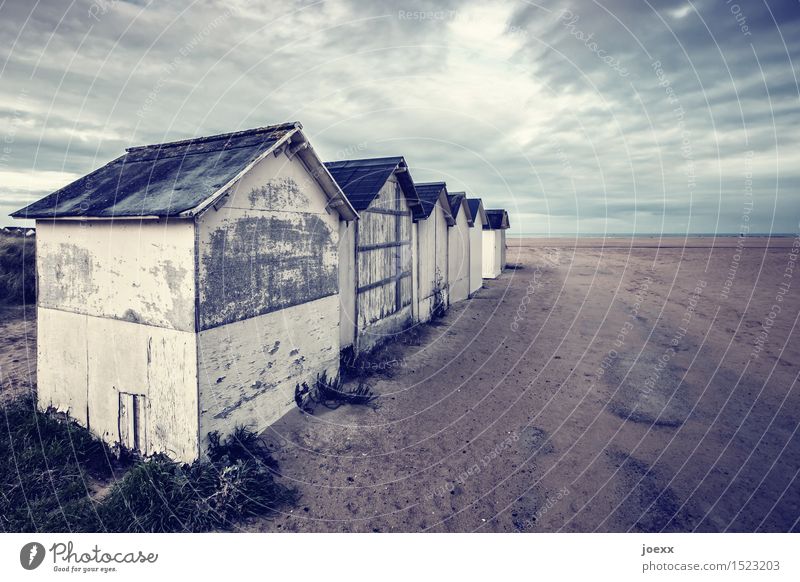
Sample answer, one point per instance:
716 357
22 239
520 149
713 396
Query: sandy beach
597 385
601 385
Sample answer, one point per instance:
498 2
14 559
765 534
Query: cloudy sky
577 116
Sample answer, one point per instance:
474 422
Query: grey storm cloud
575 115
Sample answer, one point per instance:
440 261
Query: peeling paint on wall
384 263
269 304
243 383
258 264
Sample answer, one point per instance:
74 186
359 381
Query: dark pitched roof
498 220
474 206
456 199
429 195
362 180
160 180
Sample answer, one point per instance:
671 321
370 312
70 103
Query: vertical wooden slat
398 253
126 420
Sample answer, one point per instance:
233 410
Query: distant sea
644 235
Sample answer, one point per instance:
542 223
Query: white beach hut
432 249
376 278
189 287
494 243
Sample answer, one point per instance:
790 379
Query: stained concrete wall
268 272
476 255
458 267
116 316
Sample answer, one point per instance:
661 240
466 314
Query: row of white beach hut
189 287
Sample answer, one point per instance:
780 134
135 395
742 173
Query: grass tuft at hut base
50 471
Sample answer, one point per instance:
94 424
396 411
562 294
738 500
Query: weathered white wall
269 305
432 252
476 255
442 240
138 271
502 245
347 284
157 363
249 369
271 245
62 371
415 271
378 315
426 266
116 314
491 254
458 272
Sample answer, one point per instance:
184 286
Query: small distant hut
458 247
494 243
189 287
432 244
377 278
479 221
18 230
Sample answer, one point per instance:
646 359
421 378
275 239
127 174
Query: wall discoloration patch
132 316
254 265
255 390
69 270
182 306
278 194
143 272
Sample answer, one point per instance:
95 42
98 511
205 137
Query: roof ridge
379 159
205 139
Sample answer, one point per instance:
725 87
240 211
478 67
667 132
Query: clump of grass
235 483
46 470
439 308
331 393
17 269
